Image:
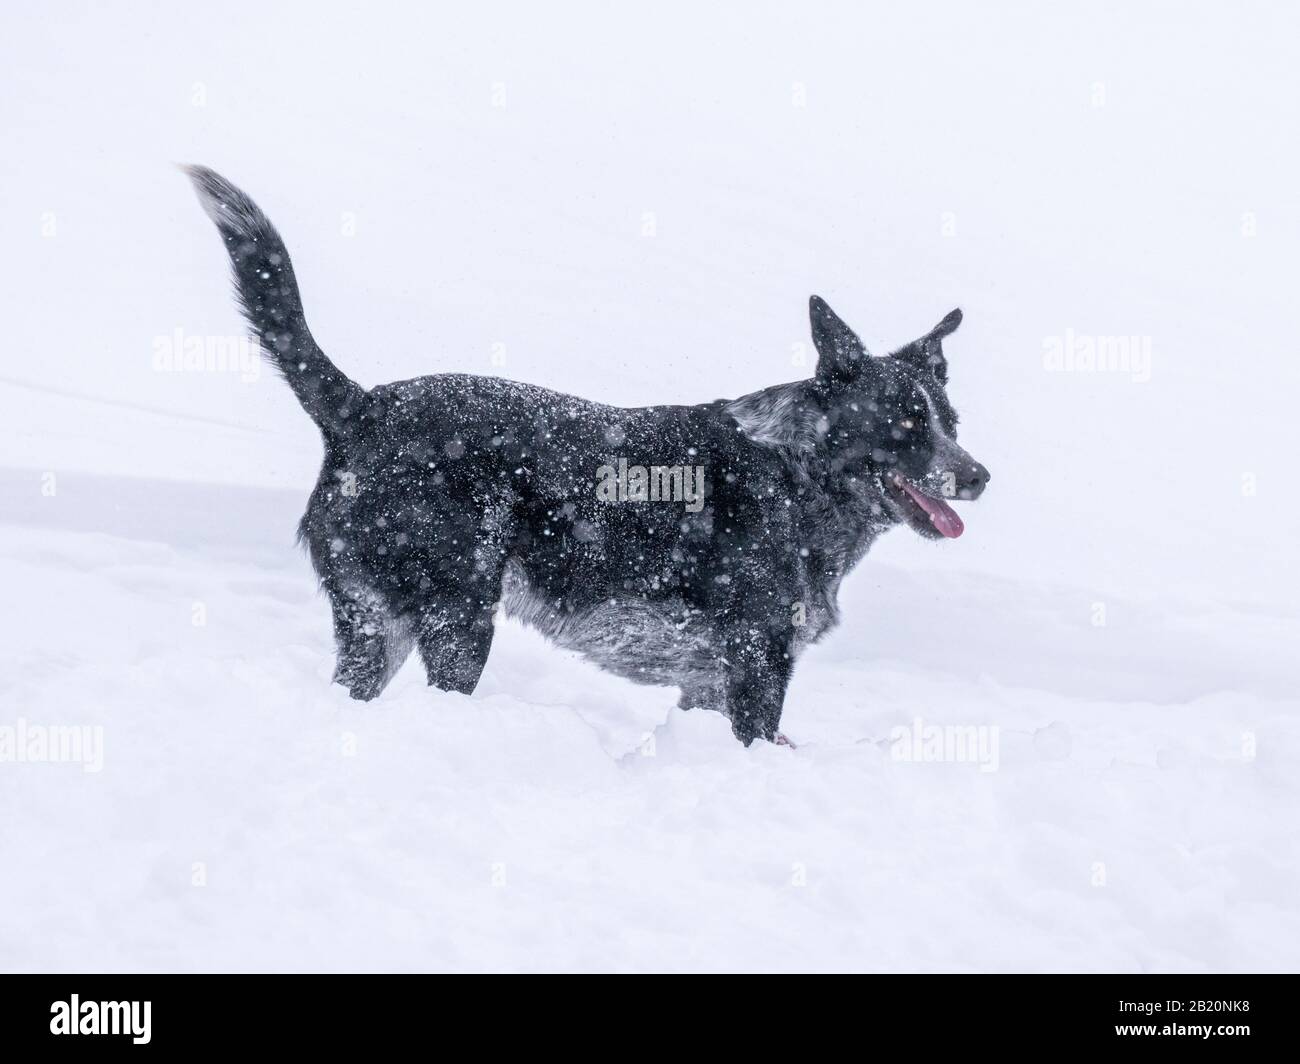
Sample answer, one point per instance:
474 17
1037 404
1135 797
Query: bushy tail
268 296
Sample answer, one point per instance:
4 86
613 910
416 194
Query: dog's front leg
757 676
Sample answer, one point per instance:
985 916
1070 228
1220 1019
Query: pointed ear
839 351
927 352
948 325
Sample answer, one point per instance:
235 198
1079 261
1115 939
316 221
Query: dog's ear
926 354
839 351
948 325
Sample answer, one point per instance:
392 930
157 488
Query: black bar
336 1013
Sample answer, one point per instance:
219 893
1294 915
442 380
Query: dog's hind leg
455 638
372 643
459 597
456 621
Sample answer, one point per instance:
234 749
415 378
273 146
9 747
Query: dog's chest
815 614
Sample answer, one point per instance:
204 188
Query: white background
454 182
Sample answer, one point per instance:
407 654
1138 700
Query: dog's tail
268 296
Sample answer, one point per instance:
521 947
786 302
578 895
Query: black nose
972 482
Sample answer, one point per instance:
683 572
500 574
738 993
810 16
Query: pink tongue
942 516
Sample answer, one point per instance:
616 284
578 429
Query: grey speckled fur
444 497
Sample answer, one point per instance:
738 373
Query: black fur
444 496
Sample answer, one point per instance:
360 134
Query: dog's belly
660 641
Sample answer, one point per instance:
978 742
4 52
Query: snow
642 222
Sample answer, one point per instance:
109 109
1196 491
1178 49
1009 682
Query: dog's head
880 426
890 420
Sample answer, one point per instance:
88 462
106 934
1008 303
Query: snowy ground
1120 615
248 815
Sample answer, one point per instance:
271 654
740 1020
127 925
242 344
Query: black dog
696 546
